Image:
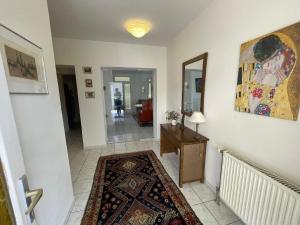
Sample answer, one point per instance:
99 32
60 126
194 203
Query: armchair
145 116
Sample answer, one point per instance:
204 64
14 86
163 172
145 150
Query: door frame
154 96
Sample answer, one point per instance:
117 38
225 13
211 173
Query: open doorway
69 102
128 95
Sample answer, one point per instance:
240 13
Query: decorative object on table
88 82
23 63
89 94
197 118
173 116
269 75
126 185
87 69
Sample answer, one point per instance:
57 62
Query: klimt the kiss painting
269 75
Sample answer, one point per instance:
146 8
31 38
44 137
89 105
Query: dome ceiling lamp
138 27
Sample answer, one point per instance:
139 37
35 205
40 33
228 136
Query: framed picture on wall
23 63
88 83
89 94
198 85
268 81
87 69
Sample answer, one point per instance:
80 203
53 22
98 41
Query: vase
174 122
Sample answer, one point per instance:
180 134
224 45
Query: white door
12 157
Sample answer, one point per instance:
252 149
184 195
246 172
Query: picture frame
89 94
88 83
87 69
23 63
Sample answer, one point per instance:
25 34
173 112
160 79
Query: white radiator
257 196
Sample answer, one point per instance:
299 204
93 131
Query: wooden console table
192 148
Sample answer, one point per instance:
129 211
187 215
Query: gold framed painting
23 63
269 75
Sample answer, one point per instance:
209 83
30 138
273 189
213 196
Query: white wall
38 117
220 30
104 54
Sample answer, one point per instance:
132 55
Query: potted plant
173 116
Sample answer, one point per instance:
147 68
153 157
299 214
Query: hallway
83 165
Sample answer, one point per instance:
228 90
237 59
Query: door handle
35 196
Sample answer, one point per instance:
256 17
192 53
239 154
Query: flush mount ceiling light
137 27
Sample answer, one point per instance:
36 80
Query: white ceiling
103 20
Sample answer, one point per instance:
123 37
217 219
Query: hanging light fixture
138 27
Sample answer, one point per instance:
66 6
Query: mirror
193 84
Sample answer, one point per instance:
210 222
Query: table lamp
197 118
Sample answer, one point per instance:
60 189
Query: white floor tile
203 191
86 173
190 195
120 148
204 215
75 218
82 186
221 212
80 202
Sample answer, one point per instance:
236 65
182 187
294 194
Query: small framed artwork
23 64
89 94
87 69
88 82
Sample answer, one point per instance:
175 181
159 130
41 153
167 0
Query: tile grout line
212 214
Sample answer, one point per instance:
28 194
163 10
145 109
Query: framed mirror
193 84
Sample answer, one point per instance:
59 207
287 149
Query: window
122 79
149 89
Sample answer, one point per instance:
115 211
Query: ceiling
102 20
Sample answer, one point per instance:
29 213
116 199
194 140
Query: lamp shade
197 117
138 27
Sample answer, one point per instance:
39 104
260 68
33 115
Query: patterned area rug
134 189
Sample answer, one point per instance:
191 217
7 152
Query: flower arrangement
172 115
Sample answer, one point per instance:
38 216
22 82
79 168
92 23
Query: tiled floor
83 164
127 129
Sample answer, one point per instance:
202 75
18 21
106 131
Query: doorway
66 78
128 95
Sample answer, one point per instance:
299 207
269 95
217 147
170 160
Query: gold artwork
269 75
